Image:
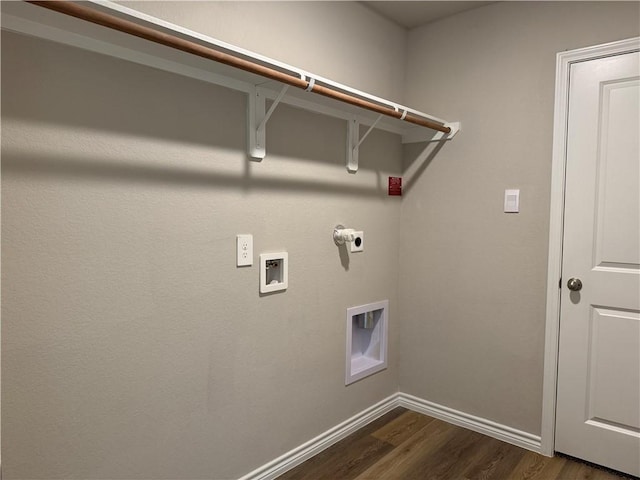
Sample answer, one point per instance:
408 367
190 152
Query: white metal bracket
353 131
354 141
257 118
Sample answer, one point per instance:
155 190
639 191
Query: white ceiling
415 13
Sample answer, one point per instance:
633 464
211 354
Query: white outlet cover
358 242
244 250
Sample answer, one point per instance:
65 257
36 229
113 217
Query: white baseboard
471 422
295 457
323 441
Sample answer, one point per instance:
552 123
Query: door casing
564 60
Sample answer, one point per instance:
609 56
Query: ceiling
415 13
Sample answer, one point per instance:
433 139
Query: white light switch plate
244 250
511 201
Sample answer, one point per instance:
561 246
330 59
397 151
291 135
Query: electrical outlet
358 242
244 250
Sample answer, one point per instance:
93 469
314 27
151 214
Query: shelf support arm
354 142
369 131
257 121
275 103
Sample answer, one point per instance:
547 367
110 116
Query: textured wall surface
473 294
132 345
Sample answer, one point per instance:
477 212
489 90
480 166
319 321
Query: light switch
511 201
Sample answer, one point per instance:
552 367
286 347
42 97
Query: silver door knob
574 284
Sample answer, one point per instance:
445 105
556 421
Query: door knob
574 284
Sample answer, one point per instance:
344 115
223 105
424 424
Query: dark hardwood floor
405 445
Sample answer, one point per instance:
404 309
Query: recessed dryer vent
366 340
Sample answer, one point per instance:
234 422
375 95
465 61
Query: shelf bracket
354 141
257 120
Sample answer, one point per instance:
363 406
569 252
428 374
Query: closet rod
126 26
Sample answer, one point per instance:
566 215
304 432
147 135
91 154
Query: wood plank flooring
405 445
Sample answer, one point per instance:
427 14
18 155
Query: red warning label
395 185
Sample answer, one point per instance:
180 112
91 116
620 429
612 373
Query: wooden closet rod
132 28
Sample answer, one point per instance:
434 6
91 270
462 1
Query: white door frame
564 60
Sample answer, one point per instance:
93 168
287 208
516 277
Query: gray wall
473 279
132 345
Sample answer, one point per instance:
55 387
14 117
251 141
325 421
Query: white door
598 392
